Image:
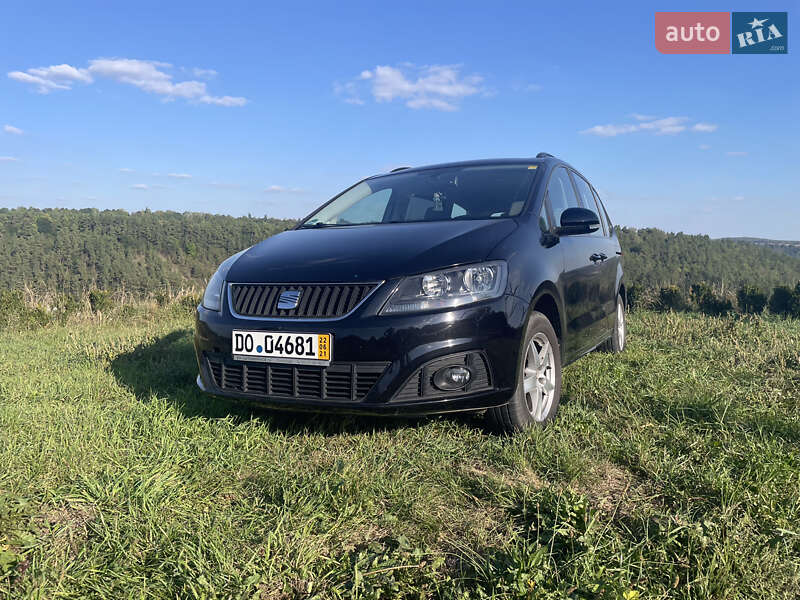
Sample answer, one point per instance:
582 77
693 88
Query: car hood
368 252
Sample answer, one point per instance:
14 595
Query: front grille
340 381
317 301
420 385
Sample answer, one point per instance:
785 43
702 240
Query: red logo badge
693 32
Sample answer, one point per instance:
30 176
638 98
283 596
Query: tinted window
369 210
467 192
609 224
561 193
601 213
419 209
587 200
544 220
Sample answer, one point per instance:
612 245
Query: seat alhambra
454 287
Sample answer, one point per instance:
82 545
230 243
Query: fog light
452 378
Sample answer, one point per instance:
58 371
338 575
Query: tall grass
672 470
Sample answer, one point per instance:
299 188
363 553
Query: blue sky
271 109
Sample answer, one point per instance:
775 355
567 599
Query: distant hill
71 250
792 248
654 258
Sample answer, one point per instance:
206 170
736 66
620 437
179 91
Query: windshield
450 193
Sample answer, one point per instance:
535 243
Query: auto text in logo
693 32
721 32
760 33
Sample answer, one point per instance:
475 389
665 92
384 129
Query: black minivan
453 287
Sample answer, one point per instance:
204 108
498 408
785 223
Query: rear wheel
538 392
616 343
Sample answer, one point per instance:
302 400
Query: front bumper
405 344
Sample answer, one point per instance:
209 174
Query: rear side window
588 201
561 194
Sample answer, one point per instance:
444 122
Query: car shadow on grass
166 368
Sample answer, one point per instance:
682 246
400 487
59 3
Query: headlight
212 298
448 289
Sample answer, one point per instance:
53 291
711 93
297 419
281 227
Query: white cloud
13 130
349 91
704 147
610 130
666 126
62 73
43 86
736 153
140 186
179 175
224 100
204 73
279 189
147 75
439 87
705 127
55 77
648 123
125 170
8 159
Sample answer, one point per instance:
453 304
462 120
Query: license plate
296 348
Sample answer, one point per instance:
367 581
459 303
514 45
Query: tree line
72 252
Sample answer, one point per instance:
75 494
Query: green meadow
671 471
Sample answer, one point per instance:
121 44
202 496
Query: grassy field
672 470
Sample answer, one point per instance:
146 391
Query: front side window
561 194
443 194
587 200
544 220
609 224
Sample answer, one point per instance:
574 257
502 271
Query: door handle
598 256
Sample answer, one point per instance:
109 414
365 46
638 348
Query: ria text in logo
289 299
760 33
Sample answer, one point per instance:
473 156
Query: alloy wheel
539 377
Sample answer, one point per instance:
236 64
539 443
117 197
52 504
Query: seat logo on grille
289 299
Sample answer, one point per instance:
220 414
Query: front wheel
536 399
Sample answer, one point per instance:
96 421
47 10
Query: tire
616 343
539 404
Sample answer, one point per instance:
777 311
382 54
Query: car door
581 275
614 262
604 304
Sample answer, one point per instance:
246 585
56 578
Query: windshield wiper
319 225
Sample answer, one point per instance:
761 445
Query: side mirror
575 221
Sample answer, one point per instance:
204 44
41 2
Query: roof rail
396 169
544 155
